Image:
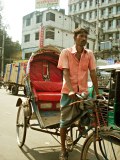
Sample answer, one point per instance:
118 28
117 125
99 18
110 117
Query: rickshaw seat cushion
47 86
49 96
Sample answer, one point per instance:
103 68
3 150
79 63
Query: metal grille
103 114
103 82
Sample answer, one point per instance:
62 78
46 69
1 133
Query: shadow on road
48 153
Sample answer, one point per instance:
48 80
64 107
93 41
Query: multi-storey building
105 12
51 27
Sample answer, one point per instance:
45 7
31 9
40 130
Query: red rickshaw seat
49 96
47 90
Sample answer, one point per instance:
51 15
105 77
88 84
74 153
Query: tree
10 47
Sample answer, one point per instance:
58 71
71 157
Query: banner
41 36
46 3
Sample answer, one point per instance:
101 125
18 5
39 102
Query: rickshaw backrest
45 69
46 79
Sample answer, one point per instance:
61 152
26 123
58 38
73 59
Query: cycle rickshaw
43 85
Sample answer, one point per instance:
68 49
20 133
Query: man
75 63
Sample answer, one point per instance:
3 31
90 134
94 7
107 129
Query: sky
14 10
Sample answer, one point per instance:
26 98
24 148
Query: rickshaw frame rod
55 139
45 131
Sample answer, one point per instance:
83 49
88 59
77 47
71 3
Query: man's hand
99 96
72 94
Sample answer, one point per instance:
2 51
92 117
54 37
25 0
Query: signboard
46 3
41 36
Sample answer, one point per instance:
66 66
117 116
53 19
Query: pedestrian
75 63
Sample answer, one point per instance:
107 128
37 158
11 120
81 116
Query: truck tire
25 92
14 90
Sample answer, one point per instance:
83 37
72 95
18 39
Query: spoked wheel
106 147
72 138
21 126
110 145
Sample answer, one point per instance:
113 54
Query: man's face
81 39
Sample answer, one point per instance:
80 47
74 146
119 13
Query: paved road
38 146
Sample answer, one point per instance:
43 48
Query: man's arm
66 75
94 80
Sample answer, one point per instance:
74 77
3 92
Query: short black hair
80 30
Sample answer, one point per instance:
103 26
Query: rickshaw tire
91 138
86 143
112 133
24 127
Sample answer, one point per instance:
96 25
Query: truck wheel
25 93
14 90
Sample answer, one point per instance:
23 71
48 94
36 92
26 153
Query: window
110 10
118 22
27 55
76 25
90 15
84 16
28 22
75 7
102 24
85 4
87 45
38 18
95 14
50 34
37 36
110 35
50 16
118 9
117 35
110 24
70 8
102 12
79 5
27 38
91 2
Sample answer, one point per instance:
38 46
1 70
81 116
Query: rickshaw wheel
105 147
21 126
72 137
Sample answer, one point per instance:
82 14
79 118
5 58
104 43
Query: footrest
50 118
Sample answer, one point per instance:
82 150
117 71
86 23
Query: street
38 145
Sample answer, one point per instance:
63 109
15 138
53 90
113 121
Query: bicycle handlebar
84 99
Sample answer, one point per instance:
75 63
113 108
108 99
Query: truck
14 77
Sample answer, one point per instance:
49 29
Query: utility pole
2 55
97 29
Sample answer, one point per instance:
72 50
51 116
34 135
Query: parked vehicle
1 82
14 77
112 92
43 89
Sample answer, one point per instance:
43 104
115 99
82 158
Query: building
51 27
107 15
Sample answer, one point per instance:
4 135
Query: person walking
75 63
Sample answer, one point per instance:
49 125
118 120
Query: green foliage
10 47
